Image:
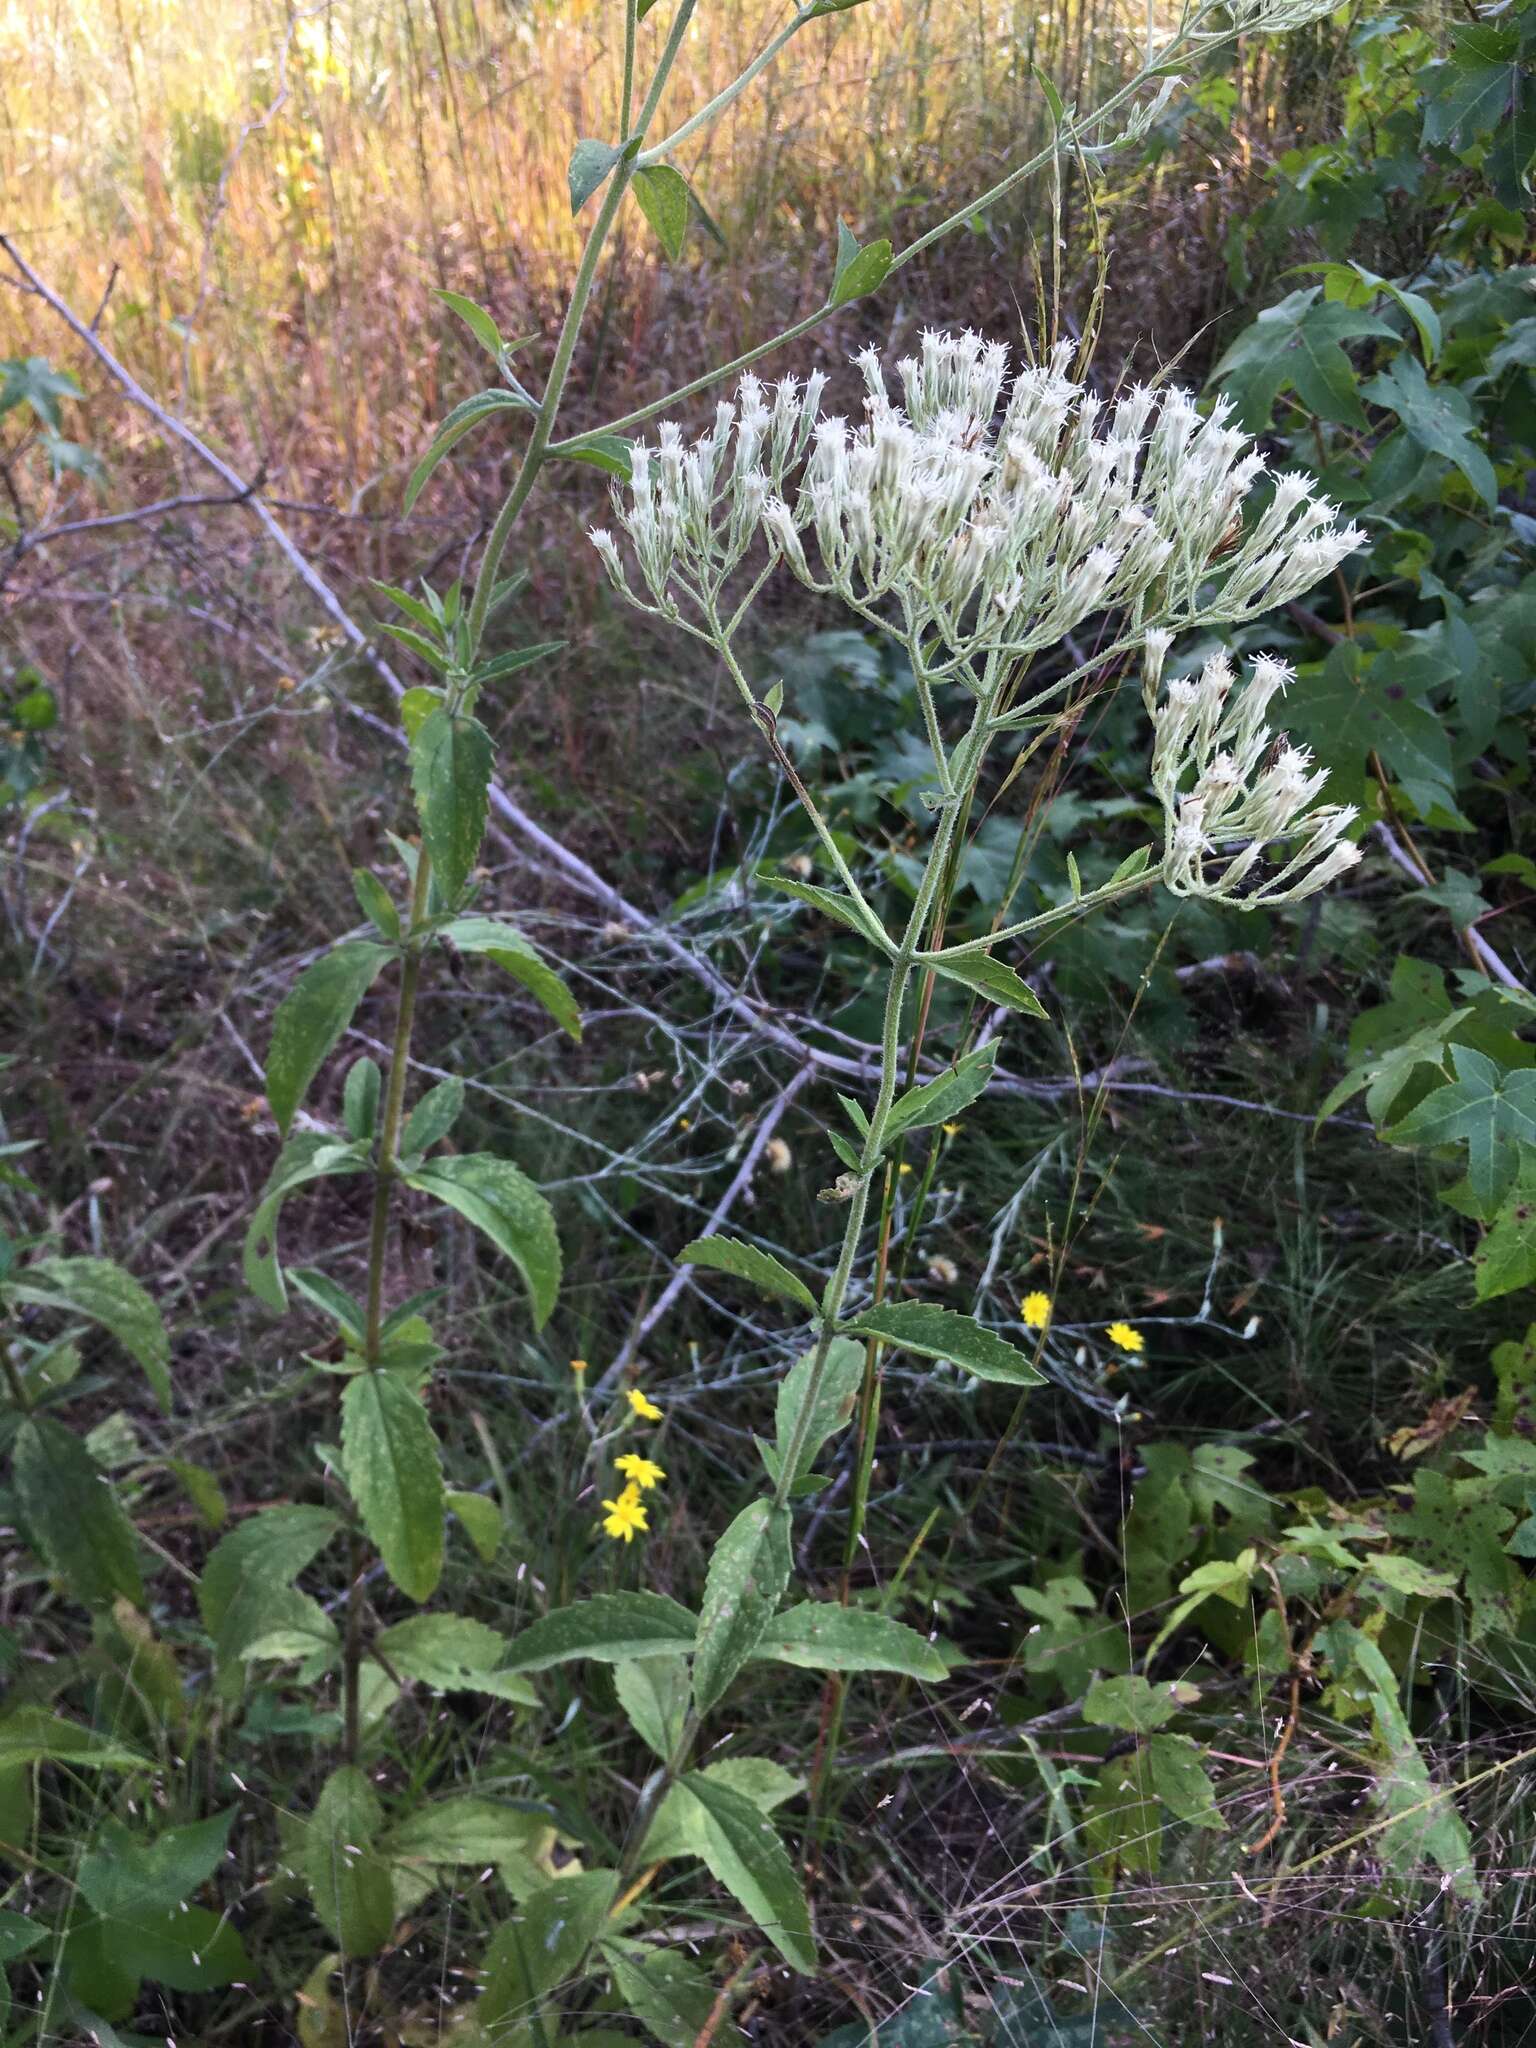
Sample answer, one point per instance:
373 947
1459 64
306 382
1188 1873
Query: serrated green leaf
680 1823
1490 1109
451 763
610 1627
507 949
312 1016
819 1635
841 909
416 707
467 1830
504 1204
743 1851
433 1117
935 1332
653 1691
394 1473
943 1098
246 1589
832 1407
992 979
102 1292
376 904
311 1155
533 1954
1131 1702
747 1262
453 1653
1438 418
122 1873
748 1571
1506 1258
322 1291
73 1516
1179 1779
671 1997
663 196
349 1882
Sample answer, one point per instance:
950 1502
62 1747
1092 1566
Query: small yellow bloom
1127 1338
638 1405
578 1365
639 1471
625 1515
951 1130
1036 1310
906 1166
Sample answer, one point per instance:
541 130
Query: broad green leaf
748 1571
1438 418
186 1948
943 1098
394 1473
124 1874
1352 705
504 1204
349 1881
819 1635
312 1016
1506 1258
246 1591
103 1293
1297 342
610 1627
512 953
451 763
376 904
743 1850
681 1824
453 1653
433 1117
832 1406
416 707
1468 93
607 452
654 1691
993 980
1491 1110
476 319
533 1954
467 1830
360 1100
73 1516
481 1519
1133 1702
831 903
858 271
309 1155
670 1996
934 1332
31 1735
1179 1780
759 1269
1425 1828
461 421
663 196
591 161
1221 1578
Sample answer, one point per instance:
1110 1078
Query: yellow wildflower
638 1405
578 1365
625 1515
639 1471
1127 1338
1036 1310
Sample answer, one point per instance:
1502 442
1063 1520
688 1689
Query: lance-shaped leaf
349 1883
311 1155
73 1516
451 762
461 421
312 1016
653 1691
395 1475
759 1269
841 909
103 1293
671 1997
743 1586
1425 1826
944 1097
743 1850
433 1117
504 1204
500 666
859 271
533 1954
610 1627
934 1332
453 1653
607 452
993 980
246 1591
830 1396
680 1823
591 161
819 1635
512 953
663 196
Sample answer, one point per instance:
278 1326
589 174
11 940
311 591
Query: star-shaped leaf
1299 343
1489 1109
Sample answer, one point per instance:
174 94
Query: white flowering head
1241 816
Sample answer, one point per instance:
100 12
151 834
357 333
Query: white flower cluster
993 516
1246 789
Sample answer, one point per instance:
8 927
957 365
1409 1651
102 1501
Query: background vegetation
1293 1151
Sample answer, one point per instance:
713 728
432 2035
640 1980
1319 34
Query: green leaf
607 452
416 707
831 903
611 1627
476 319
819 1635
1491 1110
744 1853
35 383
504 1204
671 1997
394 1472
841 1376
663 196
991 979
942 1099
512 953
759 1269
933 1332
681 1824
1425 1828
468 1830
453 1653
311 1155
433 1117
858 271
533 1954
349 1883
461 421
591 162
376 904
451 763
510 663
481 1520
121 1873
748 1571
653 1691
73 1516
312 1016
318 1288
360 1099
1133 1702
1351 705
1506 1258
1297 343
1438 418
1179 1780
246 1590
103 1293
186 1948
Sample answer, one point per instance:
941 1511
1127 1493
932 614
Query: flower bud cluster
1230 790
993 514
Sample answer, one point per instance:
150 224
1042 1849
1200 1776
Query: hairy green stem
394 1109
